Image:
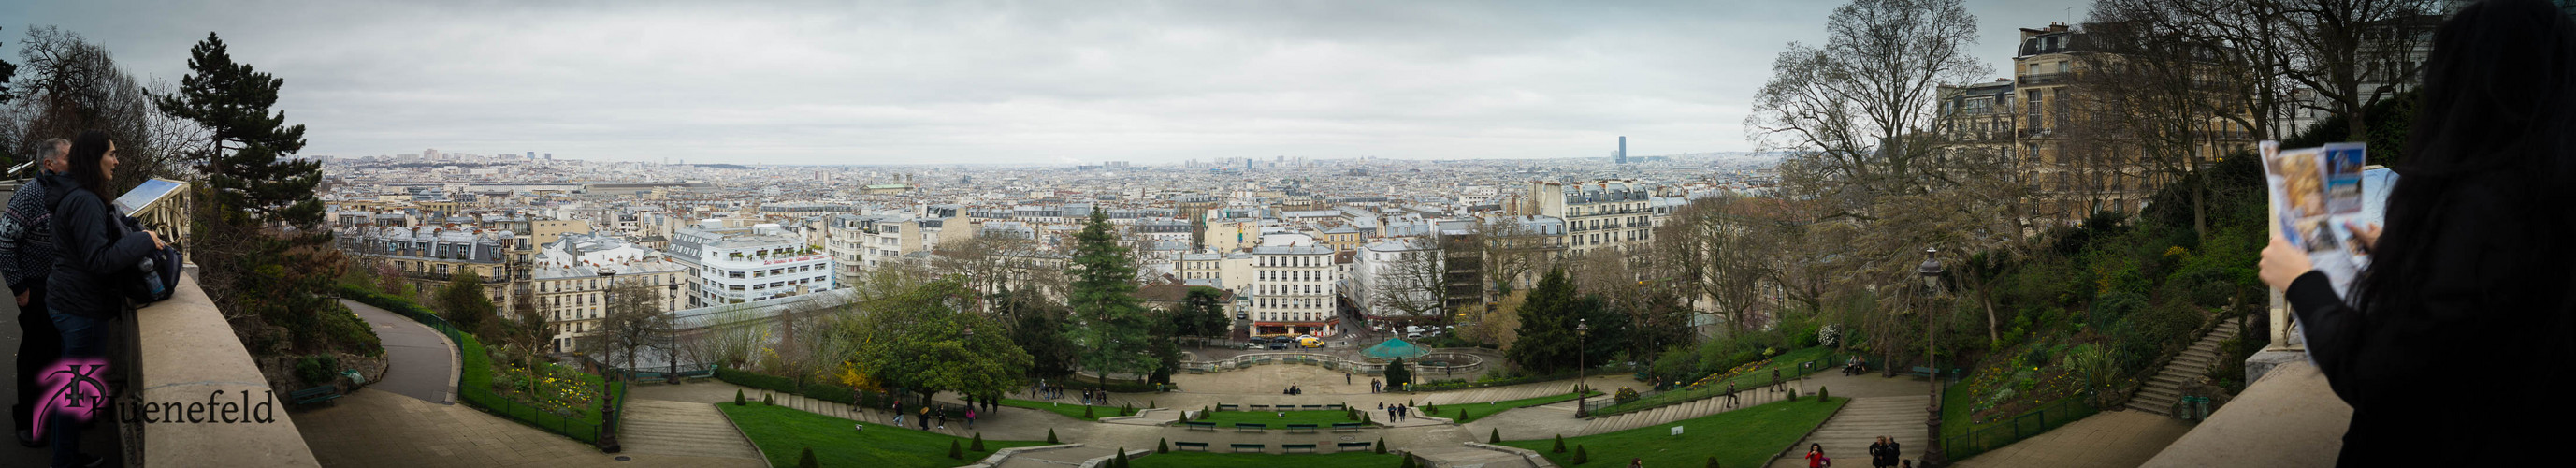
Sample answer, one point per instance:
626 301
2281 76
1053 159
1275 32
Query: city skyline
998 83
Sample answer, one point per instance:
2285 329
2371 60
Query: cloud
981 81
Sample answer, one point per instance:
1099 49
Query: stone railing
183 353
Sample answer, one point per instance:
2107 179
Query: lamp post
1931 271
1580 367
671 301
608 412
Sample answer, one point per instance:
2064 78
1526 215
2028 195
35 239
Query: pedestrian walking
1816 456
925 418
970 418
898 412
1730 394
26 262
1346 378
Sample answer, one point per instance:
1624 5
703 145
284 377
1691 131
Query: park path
1693 409
2193 364
681 428
419 361
400 427
1880 406
2109 439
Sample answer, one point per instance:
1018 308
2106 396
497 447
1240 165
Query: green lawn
1480 410
1319 418
1744 437
1205 459
1069 410
1786 362
784 433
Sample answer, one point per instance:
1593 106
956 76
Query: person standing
26 260
1878 453
1893 450
898 412
2473 262
94 252
1730 393
1816 456
970 418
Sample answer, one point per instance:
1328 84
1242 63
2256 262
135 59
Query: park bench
1301 428
1348 427
1261 407
1186 446
1349 446
1251 427
1924 372
313 395
1312 407
1333 406
1256 448
1195 425
1309 448
1227 407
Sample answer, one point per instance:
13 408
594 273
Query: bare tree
1715 253
635 320
1846 107
2352 53
1413 283
68 84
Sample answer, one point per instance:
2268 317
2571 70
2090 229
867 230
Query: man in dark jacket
26 259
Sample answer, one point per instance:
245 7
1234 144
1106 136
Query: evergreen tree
1560 443
1381 445
1408 463
1496 437
737 398
1547 343
1119 460
1397 374
1580 457
1162 446
1712 462
1112 324
1051 437
252 185
806 460
954 451
978 445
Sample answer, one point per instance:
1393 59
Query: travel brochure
2316 191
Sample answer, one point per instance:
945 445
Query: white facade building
1292 290
570 280
737 265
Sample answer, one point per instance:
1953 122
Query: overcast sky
996 82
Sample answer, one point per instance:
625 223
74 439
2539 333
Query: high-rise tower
1622 158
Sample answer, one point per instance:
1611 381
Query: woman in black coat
2462 330
97 259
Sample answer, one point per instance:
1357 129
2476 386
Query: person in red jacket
1816 456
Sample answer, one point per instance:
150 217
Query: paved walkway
407 419
1895 407
2110 439
680 428
419 362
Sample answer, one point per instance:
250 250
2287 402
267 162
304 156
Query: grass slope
1477 411
1786 362
1067 409
1319 418
1204 459
1744 437
784 433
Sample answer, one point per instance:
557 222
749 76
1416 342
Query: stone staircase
680 428
2166 387
1668 414
1846 436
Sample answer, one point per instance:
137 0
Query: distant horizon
521 155
814 82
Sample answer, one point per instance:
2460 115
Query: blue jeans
83 337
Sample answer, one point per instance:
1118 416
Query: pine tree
806 460
1409 463
1579 456
1051 437
954 451
1381 445
1712 462
1162 446
1546 342
765 400
1496 437
1560 443
1462 416
737 398
1086 413
978 445
1119 460
231 100
1112 322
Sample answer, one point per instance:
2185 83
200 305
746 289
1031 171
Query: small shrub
1462 415
1431 409
806 460
318 369
1051 437
1793 395
1712 462
1119 460
1560 443
1162 446
1086 413
978 445
1626 395
1381 445
1580 457
1495 437
955 451
1408 463
737 398
1128 409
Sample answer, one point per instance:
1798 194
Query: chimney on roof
2056 27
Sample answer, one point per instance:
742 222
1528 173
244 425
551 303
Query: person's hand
2282 263
156 240
2368 236
22 298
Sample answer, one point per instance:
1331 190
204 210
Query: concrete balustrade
188 365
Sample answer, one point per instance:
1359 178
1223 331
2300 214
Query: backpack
157 275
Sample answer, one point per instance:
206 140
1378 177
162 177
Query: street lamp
608 432
1580 393
1931 271
671 301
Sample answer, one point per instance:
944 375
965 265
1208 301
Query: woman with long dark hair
2471 290
97 255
